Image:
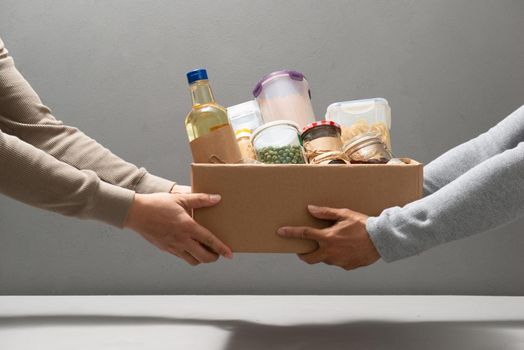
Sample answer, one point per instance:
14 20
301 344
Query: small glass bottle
244 143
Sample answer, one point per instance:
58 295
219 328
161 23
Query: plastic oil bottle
211 137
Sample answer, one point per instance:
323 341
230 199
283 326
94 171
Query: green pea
281 155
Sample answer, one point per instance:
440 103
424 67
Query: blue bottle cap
197 74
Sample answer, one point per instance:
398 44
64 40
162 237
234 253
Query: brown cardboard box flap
219 146
257 199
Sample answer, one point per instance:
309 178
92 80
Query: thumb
326 213
198 200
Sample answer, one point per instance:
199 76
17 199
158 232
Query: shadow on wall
462 335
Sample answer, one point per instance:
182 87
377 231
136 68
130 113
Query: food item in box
396 161
321 137
278 142
285 95
367 148
210 135
362 116
244 143
333 157
245 118
361 127
281 155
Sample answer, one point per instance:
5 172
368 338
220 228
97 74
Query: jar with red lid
321 137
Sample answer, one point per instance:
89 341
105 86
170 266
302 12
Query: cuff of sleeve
111 204
150 183
382 239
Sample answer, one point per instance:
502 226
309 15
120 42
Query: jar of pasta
278 142
321 137
362 116
367 148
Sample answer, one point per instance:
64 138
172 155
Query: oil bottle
211 137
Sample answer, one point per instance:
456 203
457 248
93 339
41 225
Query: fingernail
312 207
281 231
215 197
228 256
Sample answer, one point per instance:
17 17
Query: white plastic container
245 116
362 116
285 95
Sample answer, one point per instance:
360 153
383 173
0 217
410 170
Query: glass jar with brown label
321 137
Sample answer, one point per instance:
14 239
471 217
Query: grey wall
450 69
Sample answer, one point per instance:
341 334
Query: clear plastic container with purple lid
285 95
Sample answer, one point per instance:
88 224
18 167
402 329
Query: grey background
116 69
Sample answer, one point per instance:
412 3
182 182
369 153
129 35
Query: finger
302 232
206 238
184 256
200 253
198 200
181 189
312 258
326 213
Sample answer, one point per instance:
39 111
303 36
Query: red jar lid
320 123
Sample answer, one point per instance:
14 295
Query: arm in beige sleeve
23 115
34 177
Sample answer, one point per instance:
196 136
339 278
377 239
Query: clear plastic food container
278 142
285 95
245 116
362 116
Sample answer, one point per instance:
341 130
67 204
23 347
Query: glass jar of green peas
278 142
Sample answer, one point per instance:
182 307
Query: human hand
181 189
164 220
345 244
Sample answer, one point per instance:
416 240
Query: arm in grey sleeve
487 196
507 134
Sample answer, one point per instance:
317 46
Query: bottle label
219 146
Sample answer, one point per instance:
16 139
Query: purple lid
291 73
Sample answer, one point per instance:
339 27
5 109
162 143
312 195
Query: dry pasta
361 126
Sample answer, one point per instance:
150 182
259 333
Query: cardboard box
258 199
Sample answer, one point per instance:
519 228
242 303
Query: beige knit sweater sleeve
54 166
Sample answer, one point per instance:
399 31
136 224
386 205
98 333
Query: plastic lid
275 123
320 123
372 107
197 74
290 73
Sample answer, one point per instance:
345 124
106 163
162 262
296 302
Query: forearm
32 176
485 197
23 114
506 135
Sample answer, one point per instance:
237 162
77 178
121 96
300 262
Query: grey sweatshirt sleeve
455 162
23 115
463 198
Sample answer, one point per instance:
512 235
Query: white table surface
261 322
